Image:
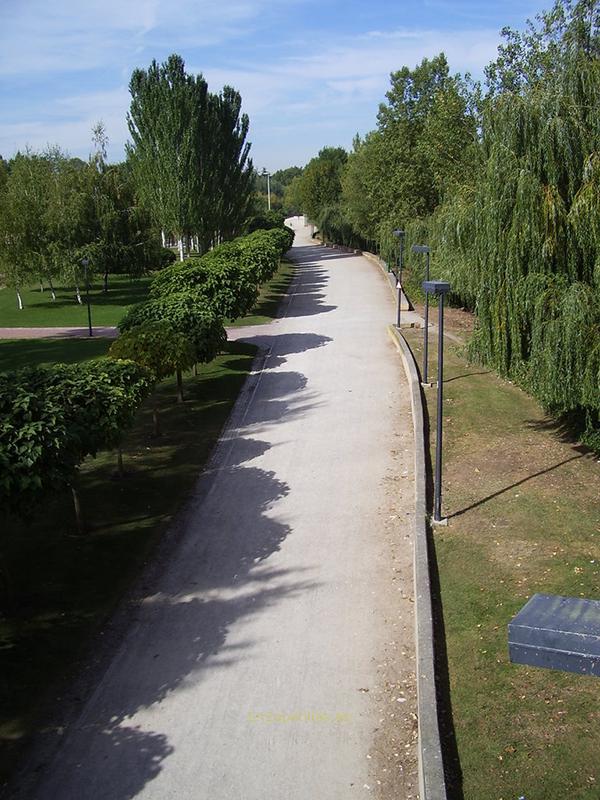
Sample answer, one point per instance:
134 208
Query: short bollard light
400 237
440 289
423 248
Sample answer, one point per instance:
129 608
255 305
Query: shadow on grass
466 375
514 485
17 353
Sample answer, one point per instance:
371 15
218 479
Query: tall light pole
423 248
84 263
400 237
268 176
439 288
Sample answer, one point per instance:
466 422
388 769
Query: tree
320 186
158 348
24 235
166 120
54 417
188 314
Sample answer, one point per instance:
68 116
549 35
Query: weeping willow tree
521 240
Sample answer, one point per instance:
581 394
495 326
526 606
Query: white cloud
71 35
332 84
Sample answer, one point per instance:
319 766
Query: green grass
523 518
40 312
271 295
58 587
17 353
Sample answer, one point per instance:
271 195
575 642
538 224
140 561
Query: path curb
432 784
391 278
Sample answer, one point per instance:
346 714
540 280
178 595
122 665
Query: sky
311 72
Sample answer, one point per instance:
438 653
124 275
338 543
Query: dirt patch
393 756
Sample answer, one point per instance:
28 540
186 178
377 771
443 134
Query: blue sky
311 72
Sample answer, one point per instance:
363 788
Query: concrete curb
406 304
432 784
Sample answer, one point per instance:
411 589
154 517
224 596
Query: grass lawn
524 517
57 587
39 311
17 353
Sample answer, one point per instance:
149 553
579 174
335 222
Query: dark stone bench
557 633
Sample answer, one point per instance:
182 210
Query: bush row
52 418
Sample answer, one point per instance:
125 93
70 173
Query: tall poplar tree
166 122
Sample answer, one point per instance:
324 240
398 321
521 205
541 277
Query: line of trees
502 180
187 174
56 211
52 418
187 177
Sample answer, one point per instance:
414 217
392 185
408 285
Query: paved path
253 666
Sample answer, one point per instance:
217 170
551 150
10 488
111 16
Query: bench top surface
574 615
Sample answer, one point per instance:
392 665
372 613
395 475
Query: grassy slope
524 518
40 311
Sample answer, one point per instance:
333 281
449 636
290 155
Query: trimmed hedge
227 278
187 313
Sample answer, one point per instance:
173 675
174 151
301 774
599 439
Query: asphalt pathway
249 666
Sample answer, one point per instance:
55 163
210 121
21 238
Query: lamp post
423 248
84 263
440 289
400 237
268 176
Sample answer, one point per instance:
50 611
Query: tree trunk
179 386
52 292
78 295
163 238
180 243
78 515
105 289
41 288
19 300
120 469
156 421
196 370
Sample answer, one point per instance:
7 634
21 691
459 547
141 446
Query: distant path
270 656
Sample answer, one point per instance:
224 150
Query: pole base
443 522
428 385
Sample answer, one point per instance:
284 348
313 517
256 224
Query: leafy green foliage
52 418
189 154
187 313
157 347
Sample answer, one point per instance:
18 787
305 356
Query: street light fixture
84 263
440 289
400 237
268 176
423 248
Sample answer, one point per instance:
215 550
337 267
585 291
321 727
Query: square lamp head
398 233
436 287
